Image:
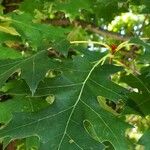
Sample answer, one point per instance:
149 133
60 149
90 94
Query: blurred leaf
72 7
140 91
9 30
9 53
145 140
146 47
38 35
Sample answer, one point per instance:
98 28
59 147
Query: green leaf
140 94
31 143
30 6
146 8
19 104
39 36
145 140
33 69
62 45
8 30
75 110
146 46
8 37
9 53
106 8
78 100
72 7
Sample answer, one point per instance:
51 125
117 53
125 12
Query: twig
88 26
143 24
93 42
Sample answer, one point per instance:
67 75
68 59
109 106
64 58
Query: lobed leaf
33 69
75 117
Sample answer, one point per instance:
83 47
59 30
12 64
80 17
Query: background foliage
74 74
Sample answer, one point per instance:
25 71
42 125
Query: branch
143 24
88 26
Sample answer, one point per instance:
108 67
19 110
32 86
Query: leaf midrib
77 101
